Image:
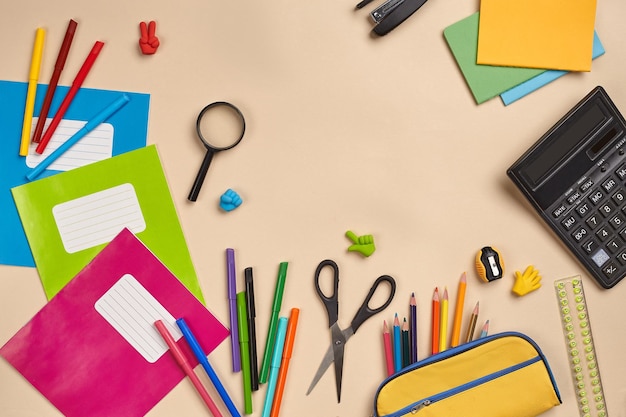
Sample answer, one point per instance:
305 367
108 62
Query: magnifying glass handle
197 184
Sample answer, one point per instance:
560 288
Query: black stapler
391 13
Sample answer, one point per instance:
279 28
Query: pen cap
243 317
280 286
249 285
40 36
89 61
281 333
291 332
231 274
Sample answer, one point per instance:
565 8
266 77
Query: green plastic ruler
580 347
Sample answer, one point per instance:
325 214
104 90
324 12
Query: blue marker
201 356
281 331
89 126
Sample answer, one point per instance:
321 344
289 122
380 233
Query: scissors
339 337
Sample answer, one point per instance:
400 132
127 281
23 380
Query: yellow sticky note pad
550 34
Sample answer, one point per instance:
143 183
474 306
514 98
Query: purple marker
232 303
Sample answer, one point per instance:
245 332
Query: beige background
345 131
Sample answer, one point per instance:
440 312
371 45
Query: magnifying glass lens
220 127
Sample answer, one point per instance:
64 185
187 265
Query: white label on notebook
95 146
97 218
132 311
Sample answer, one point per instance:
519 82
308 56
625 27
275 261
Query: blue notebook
125 131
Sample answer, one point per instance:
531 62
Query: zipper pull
419 406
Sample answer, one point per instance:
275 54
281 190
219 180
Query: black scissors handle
365 312
331 303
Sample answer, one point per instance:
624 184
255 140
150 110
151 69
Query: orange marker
458 312
435 322
284 365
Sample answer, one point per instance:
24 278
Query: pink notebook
93 350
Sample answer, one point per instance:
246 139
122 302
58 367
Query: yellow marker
33 77
443 324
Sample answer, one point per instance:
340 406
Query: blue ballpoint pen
277 355
202 358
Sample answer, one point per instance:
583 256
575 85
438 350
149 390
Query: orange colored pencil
458 311
284 365
435 322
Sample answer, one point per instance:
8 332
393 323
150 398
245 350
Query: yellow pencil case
501 375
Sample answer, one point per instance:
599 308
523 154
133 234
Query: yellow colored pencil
458 311
33 77
443 325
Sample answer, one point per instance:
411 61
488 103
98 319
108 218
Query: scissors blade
329 357
338 349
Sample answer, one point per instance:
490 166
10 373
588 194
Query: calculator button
606 209
572 198
590 246
610 270
609 184
603 234
559 211
622 257
583 209
593 221
589 183
617 221
614 245
600 257
596 197
580 233
621 172
619 197
569 222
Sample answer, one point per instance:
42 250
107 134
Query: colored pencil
485 329
284 365
397 345
472 324
435 322
458 311
54 80
388 351
413 328
406 348
443 325
31 91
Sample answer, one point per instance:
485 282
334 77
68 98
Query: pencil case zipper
419 405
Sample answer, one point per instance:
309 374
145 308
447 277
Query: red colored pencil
388 351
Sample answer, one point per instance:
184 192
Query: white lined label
95 146
97 218
132 311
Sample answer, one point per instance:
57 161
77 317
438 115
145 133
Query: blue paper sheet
130 126
544 78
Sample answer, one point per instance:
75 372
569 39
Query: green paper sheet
484 81
70 217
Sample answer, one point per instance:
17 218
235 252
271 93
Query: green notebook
484 81
70 217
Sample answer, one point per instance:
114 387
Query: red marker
54 80
78 81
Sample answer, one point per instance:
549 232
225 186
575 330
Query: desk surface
345 131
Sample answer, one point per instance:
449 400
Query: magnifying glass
220 126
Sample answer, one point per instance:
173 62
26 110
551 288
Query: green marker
271 334
242 320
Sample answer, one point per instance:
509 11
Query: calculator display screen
562 144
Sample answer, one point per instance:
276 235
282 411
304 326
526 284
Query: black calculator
575 177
